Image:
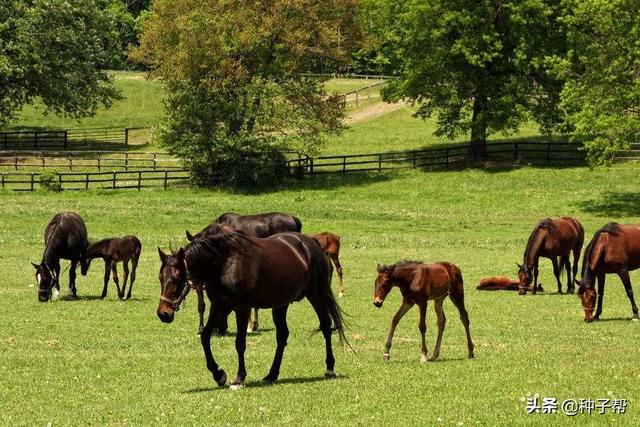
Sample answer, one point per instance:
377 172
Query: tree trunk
478 148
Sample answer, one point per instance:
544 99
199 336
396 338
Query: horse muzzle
165 316
378 302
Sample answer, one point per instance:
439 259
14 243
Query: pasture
112 362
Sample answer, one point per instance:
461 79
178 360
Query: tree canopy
51 50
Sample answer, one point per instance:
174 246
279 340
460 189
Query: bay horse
615 248
240 272
258 225
552 238
64 237
499 283
112 251
420 283
330 245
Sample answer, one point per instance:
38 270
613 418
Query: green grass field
112 362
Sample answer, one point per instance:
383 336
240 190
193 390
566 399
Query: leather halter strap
175 304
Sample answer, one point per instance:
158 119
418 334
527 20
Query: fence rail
35 139
94 180
76 160
360 94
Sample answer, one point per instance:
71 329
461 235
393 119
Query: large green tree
479 66
234 69
50 50
602 72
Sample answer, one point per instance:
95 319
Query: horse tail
456 289
298 223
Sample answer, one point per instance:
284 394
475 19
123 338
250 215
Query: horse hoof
236 385
268 381
634 319
330 375
385 357
223 378
433 358
472 356
423 358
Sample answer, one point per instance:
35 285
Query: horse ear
379 268
181 254
35 265
163 256
189 236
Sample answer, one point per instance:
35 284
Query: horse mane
546 224
220 244
612 228
399 264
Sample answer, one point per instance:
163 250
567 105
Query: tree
233 70
50 50
602 72
478 65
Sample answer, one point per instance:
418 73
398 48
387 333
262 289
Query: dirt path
376 110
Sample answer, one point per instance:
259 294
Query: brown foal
501 283
112 251
330 245
418 284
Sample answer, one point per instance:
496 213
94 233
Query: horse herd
245 263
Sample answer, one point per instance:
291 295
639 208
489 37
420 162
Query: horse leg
72 280
422 326
125 269
322 311
201 307
56 268
458 300
556 272
442 320
107 274
219 376
404 307
114 270
282 334
567 266
600 279
626 281
253 323
336 262
535 278
134 266
576 259
242 318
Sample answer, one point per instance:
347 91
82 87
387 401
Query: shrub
49 182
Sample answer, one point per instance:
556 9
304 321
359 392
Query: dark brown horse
240 272
65 237
330 245
615 248
258 225
113 251
553 239
418 284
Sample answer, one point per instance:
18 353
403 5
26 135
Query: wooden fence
35 139
83 160
455 156
94 180
361 93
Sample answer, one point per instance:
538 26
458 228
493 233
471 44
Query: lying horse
240 272
418 284
259 225
501 283
552 238
65 237
330 245
615 248
112 251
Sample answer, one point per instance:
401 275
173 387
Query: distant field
92 362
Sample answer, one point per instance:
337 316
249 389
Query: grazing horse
112 251
615 248
418 284
500 283
240 272
330 245
552 238
65 237
259 225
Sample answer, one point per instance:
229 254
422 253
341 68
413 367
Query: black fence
504 152
48 139
94 180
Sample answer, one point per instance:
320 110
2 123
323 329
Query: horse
420 283
615 248
64 237
112 251
500 283
258 225
330 245
552 238
240 272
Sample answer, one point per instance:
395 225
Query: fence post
415 158
99 162
32 181
65 139
126 161
114 180
380 162
126 136
43 159
59 180
70 162
15 162
154 161
344 165
311 166
139 179
166 177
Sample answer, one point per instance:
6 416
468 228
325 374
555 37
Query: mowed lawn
112 362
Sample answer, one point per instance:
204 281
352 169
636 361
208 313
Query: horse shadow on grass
612 204
260 384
